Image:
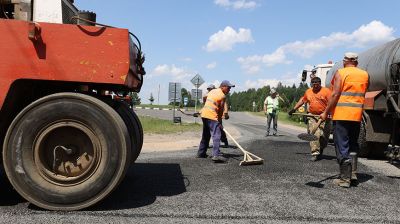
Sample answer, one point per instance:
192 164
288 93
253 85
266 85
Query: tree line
243 101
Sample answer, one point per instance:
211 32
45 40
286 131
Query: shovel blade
307 137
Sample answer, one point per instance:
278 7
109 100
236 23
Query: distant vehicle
320 70
66 144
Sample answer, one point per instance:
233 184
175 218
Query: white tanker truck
380 126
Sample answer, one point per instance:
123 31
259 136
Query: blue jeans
345 136
272 117
212 129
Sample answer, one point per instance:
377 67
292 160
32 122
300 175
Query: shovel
248 157
310 136
197 114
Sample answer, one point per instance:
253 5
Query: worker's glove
226 116
291 112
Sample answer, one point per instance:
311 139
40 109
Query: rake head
249 160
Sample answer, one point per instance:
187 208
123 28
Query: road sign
197 80
185 100
174 92
199 94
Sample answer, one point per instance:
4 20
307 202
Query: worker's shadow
362 177
144 182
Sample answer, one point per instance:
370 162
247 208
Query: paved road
175 187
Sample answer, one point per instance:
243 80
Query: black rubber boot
345 175
354 161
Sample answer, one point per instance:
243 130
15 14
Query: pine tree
151 99
135 99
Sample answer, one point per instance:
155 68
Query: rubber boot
345 175
354 162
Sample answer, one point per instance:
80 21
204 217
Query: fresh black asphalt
176 187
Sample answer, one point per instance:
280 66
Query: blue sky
252 43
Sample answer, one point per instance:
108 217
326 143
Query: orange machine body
61 52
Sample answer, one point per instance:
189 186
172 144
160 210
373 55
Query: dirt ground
176 142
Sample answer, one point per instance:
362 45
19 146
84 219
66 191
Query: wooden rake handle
316 126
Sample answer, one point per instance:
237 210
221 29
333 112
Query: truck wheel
370 149
66 151
362 141
134 126
132 122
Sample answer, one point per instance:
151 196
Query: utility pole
158 96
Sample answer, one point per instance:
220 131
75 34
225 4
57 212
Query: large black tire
131 121
362 141
41 169
134 126
373 150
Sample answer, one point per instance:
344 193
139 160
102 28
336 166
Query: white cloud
253 64
212 65
259 83
187 59
236 4
368 35
176 72
226 39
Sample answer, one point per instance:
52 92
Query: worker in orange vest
317 97
349 86
211 115
224 139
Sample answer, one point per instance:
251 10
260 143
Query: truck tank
377 62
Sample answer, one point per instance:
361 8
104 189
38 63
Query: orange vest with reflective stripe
214 106
354 84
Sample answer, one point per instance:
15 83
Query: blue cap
227 83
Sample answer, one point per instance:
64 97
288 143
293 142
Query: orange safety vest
214 106
354 84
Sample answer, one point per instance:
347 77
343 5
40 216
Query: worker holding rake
211 115
318 98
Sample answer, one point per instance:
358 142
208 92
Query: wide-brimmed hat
272 91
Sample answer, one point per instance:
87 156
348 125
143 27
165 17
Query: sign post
185 102
175 95
197 81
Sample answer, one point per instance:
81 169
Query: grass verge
153 125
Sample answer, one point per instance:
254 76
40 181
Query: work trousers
212 129
345 136
322 133
224 139
272 117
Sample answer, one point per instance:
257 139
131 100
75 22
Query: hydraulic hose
394 104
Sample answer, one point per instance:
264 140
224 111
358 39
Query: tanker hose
395 106
4 11
104 25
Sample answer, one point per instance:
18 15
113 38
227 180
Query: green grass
285 118
153 125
